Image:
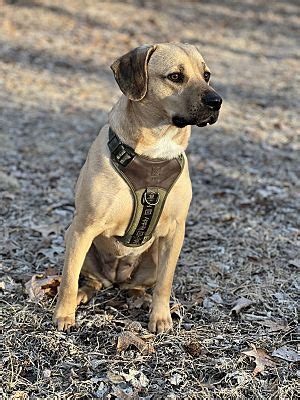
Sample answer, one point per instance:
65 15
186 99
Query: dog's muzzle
211 104
181 122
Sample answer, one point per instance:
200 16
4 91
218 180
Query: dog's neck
145 128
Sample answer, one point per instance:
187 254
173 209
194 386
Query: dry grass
242 235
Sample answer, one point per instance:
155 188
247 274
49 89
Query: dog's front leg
78 242
169 250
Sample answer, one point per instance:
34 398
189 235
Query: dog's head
174 78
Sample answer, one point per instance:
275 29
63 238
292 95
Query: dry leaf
19 395
39 285
176 379
194 348
139 301
136 378
240 304
148 336
50 271
177 310
287 354
134 326
131 375
136 302
144 381
201 166
127 339
115 303
262 359
129 394
274 326
295 262
216 298
46 230
47 373
114 378
52 252
198 297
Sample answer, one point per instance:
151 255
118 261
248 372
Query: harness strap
122 153
150 181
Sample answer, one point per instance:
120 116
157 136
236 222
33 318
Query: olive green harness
150 181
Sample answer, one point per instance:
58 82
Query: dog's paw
160 321
64 323
82 297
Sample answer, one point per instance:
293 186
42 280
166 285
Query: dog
165 90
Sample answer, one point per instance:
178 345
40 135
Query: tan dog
166 89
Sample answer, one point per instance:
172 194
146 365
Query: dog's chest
111 245
165 148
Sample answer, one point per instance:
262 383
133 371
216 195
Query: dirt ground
242 239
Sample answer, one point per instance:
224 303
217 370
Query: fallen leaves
127 339
114 378
295 262
177 310
198 297
40 285
193 348
46 230
120 380
141 301
240 305
274 326
137 378
261 359
287 354
176 379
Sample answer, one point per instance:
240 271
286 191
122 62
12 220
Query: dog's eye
175 77
206 76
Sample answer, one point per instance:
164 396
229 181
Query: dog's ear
131 72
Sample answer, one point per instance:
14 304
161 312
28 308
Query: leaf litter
261 359
241 304
287 354
128 338
43 284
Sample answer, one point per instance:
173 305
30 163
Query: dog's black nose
212 100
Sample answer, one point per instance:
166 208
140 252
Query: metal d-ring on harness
150 181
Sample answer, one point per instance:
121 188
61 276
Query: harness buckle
150 198
122 153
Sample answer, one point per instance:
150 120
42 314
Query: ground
242 238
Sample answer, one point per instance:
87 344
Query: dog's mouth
210 121
181 122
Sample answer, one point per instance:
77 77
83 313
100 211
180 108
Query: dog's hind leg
93 280
87 291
